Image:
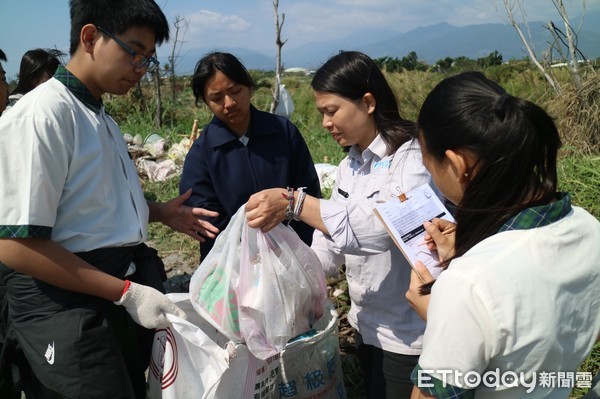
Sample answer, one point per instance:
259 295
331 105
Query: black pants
7 390
386 374
100 352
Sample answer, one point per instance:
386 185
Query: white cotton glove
148 307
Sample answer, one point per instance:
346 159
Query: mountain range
431 43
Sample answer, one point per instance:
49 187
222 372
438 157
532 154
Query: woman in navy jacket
242 150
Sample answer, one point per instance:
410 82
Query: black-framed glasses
138 60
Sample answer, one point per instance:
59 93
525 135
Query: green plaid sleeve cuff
438 388
26 231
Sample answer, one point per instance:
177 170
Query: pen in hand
447 229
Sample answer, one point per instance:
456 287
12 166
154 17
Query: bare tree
181 25
169 68
566 39
569 39
157 80
510 5
279 45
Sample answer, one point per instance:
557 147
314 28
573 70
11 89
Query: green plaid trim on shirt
26 231
78 89
539 216
438 388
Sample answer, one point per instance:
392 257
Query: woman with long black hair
517 309
360 112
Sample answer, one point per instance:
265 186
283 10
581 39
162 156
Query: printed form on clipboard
403 217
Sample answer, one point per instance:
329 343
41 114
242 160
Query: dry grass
577 113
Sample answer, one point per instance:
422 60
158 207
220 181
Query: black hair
34 64
116 16
226 63
514 141
352 74
2 56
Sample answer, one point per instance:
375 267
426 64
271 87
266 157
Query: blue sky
28 24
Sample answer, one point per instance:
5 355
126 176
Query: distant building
564 64
304 71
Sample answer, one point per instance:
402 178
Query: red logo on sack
165 373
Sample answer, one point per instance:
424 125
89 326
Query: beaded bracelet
289 212
299 203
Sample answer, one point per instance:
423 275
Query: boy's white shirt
66 167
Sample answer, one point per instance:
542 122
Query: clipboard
403 217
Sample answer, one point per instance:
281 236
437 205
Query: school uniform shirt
58 174
523 304
224 170
378 274
66 174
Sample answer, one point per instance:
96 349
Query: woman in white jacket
517 309
361 113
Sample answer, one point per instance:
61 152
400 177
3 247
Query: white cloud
321 22
218 30
205 20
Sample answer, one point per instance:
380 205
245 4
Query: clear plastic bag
285 105
262 289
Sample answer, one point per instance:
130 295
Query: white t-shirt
521 301
378 274
66 174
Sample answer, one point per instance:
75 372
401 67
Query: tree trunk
572 46
279 45
179 24
508 5
159 109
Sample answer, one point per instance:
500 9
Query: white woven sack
311 367
189 361
192 360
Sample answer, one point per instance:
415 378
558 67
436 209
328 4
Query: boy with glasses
73 217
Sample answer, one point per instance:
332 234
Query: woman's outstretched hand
185 219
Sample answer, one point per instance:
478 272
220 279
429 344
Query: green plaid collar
77 88
539 216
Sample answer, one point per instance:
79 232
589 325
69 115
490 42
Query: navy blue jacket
223 173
